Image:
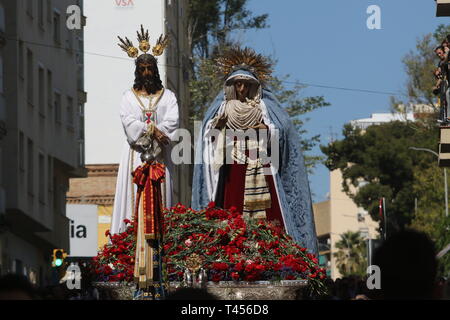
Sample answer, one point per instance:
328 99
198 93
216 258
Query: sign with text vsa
83 230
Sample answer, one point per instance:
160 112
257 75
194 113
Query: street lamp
445 175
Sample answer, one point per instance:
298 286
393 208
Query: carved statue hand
161 137
222 122
259 126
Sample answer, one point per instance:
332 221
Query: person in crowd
441 87
16 287
408 265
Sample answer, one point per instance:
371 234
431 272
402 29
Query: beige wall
338 215
98 188
322 217
104 223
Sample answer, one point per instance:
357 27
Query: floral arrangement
115 262
232 248
222 242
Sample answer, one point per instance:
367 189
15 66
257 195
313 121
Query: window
41 13
70 116
49 11
30 75
41 178
21 157
21 152
50 180
2 18
58 107
49 88
41 91
30 8
20 59
69 41
1 75
30 169
81 122
18 267
56 27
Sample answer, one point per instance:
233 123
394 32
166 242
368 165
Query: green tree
419 66
212 21
442 242
428 184
298 106
379 163
351 257
430 212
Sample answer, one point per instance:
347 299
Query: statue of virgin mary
273 190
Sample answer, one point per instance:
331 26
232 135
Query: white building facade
109 71
41 101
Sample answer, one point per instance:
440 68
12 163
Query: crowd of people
442 87
409 270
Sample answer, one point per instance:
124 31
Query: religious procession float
248 250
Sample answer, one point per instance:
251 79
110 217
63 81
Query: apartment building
42 103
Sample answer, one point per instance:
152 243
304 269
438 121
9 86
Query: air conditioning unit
361 217
443 8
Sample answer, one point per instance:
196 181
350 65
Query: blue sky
328 43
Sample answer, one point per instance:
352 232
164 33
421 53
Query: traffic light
58 257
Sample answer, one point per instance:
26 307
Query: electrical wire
179 67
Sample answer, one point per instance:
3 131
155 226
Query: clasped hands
160 136
221 122
157 134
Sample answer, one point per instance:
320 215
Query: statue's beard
148 83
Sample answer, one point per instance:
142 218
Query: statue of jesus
147 110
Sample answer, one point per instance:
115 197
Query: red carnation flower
216 277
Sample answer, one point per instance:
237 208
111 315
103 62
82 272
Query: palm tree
351 257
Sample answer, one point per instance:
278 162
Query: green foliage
351 257
420 65
211 21
429 186
297 106
381 158
203 88
430 213
441 242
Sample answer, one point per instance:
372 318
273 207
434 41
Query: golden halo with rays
246 58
